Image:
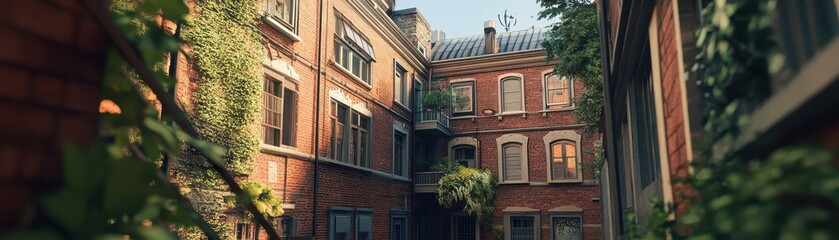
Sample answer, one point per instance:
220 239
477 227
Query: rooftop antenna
508 21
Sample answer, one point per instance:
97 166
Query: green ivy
475 188
227 53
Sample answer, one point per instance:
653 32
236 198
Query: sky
459 18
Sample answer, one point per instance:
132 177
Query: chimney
438 36
490 41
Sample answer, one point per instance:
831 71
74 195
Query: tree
575 41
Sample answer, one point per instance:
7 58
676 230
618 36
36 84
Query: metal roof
470 46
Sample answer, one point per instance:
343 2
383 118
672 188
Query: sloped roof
521 40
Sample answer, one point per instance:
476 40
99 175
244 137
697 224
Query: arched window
512 158
465 155
512 99
564 160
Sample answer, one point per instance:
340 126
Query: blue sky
460 18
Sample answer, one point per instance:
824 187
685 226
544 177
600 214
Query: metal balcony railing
439 113
427 178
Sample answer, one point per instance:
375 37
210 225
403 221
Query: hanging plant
475 188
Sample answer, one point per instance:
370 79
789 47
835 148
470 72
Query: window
400 153
564 160
465 155
512 158
512 99
644 130
465 95
363 224
339 223
244 231
521 228
558 92
566 228
400 84
283 10
563 156
512 162
398 225
464 228
350 135
279 118
421 49
352 51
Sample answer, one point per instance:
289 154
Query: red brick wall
538 194
674 118
51 65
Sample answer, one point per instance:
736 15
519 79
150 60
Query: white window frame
464 83
501 93
571 102
289 29
404 84
560 135
292 85
513 138
400 128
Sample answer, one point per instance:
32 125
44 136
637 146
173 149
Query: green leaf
67 207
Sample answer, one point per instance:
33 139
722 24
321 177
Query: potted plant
441 99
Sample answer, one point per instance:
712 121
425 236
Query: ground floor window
566 228
245 231
398 225
339 223
464 227
521 228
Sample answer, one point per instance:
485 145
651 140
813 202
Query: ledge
284 151
374 172
282 29
406 108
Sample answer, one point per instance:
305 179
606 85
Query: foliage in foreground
787 193
475 188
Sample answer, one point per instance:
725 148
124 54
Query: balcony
431 120
426 182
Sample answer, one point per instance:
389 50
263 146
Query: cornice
385 27
488 63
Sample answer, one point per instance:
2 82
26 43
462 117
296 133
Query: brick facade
52 56
537 193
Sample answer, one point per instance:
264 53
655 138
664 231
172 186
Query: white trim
338 95
361 108
559 135
368 86
513 138
461 80
281 67
664 159
271 22
545 91
501 96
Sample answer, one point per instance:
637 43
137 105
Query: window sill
284 151
463 117
397 103
351 75
558 110
511 113
279 27
365 170
514 183
566 181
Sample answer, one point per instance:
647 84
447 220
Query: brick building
515 119
653 121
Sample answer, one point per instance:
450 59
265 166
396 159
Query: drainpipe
317 124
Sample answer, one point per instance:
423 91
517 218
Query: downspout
317 124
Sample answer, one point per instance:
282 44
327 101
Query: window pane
464 96
566 228
521 228
398 153
397 86
512 162
558 162
345 57
290 118
356 65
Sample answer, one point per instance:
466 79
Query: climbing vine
475 188
786 193
227 54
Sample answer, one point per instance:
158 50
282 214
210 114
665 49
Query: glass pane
345 57
290 118
356 65
511 85
566 229
521 228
